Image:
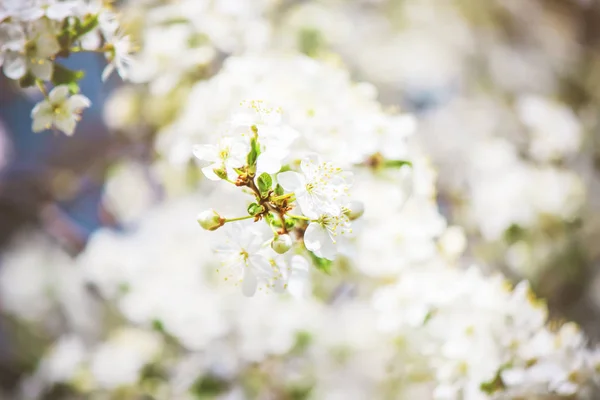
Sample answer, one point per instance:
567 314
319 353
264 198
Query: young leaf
64 76
254 152
264 182
279 190
86 26
396 163
27 81
322 264
254 209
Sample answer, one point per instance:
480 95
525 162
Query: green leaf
27 81
124 288
428 316
396 163
158 325
264 182
254 152
278 190
310 41
322 264
290 223
208 387
299 392
276 222
254 209
493 385
514 233
64 41
303 340
64 76
73 87
86 26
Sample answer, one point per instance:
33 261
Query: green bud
254 209
254 152
210 220
220 172
396 163
281 243
279 190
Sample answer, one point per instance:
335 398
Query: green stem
80 50
299 217
40 85
239 218
283 196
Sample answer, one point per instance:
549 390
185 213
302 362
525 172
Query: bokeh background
506 92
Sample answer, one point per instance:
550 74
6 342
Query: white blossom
228 154
322 235
119 360
53 9
242 257
60 110
321 187
34 54
119 55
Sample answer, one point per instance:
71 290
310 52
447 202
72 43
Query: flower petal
209 173
206 152
249 283
291 181
15 66
41 122
41 68
261 265
13 36
66 124
317 240
59 94
299 282
107 71
267 163
313 236
60 11
78 102
46 46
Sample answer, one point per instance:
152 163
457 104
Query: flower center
58 110
224 153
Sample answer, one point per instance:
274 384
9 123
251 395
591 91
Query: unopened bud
281 243
354 210
220 172
210 220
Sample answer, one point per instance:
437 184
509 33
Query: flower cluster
309 206
33 34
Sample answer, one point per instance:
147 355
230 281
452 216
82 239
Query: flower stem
283 196
299 217
80 50
239 218
40 85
